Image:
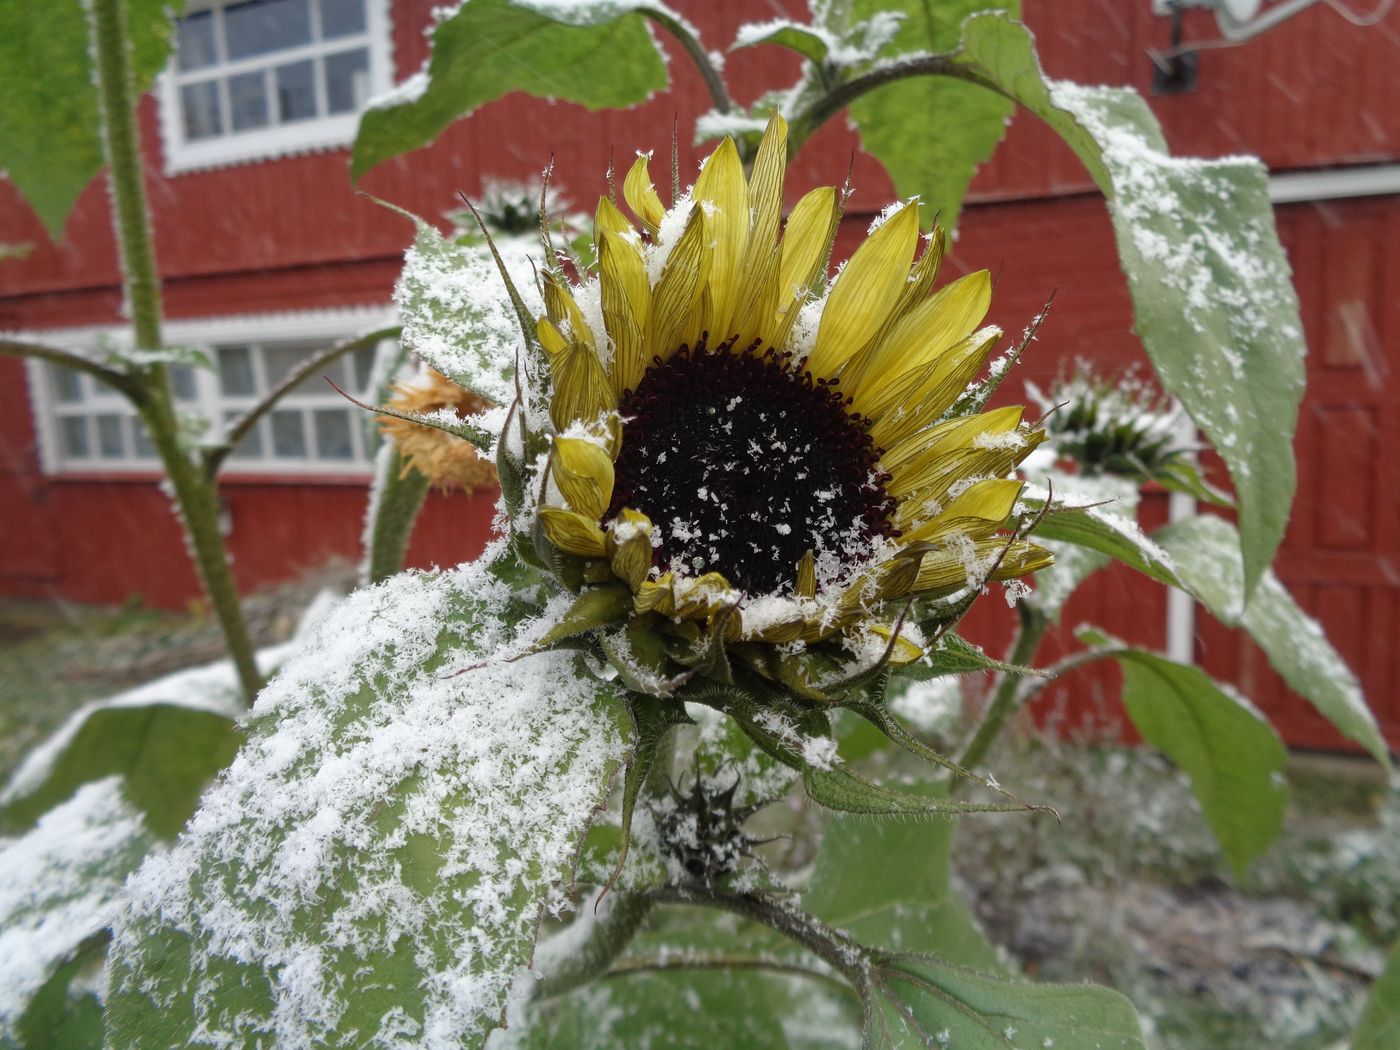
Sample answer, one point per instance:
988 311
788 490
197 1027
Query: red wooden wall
292 234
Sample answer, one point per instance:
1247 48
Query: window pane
109 436
75 436
347 80
288 434
203 114
333 434
363 363
247 100
195 41
67 384
140 440
296 94
251 447
281 360
182 382
342 17
260 26
236 371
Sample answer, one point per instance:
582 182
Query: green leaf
60 885
1380 1021
374 865
456 314
62 1017
165 753
1211 288
925 1003
652 718
956 655
593 608
886 884
685 1010
1091 538
1109 532
1207 555
599 55
930 134
49 145
792 35
1230 752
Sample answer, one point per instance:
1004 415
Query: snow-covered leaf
1212 293
60 884
1105 529
955 655
903 899
1228 749
1206 552
165 755
66 1013
1380 1022
456 314
930 133
806 40
49 145
597 53
373 867
1090 542
922 1002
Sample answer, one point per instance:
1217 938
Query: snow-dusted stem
194 494
824 107
608 935
1008 695
848 958
714 83
119 381
121 142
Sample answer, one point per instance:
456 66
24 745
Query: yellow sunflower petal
927 331
573 532
962 432
948 569
904 651
584 474
679 288
581 387
758 292
866 291
629 546
626 298
806 586
933 390
807 240
982 507
641 195
658 595
609 219
563 311
550 337
722 188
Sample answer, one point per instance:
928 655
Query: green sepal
652 718
638 654
593 608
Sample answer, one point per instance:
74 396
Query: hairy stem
825 106
194 493
829 944
608 933
399 498
714 83
1008 694
119 381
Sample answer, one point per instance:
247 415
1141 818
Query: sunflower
749 458
441 457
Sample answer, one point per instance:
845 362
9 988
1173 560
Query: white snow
60 884
438 811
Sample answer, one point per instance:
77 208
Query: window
259 78
87 427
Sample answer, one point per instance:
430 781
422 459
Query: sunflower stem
714 83
1008 695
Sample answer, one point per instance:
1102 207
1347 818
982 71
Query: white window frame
305 136
321 326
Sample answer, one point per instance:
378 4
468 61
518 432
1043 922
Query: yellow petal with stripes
626 298
641 195
581 387
867 289
584 474
807 240
573 532
677 292
724 195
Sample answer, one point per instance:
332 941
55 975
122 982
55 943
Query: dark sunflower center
743 465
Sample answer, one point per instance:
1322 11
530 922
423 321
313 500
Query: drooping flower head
759 459
444 459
